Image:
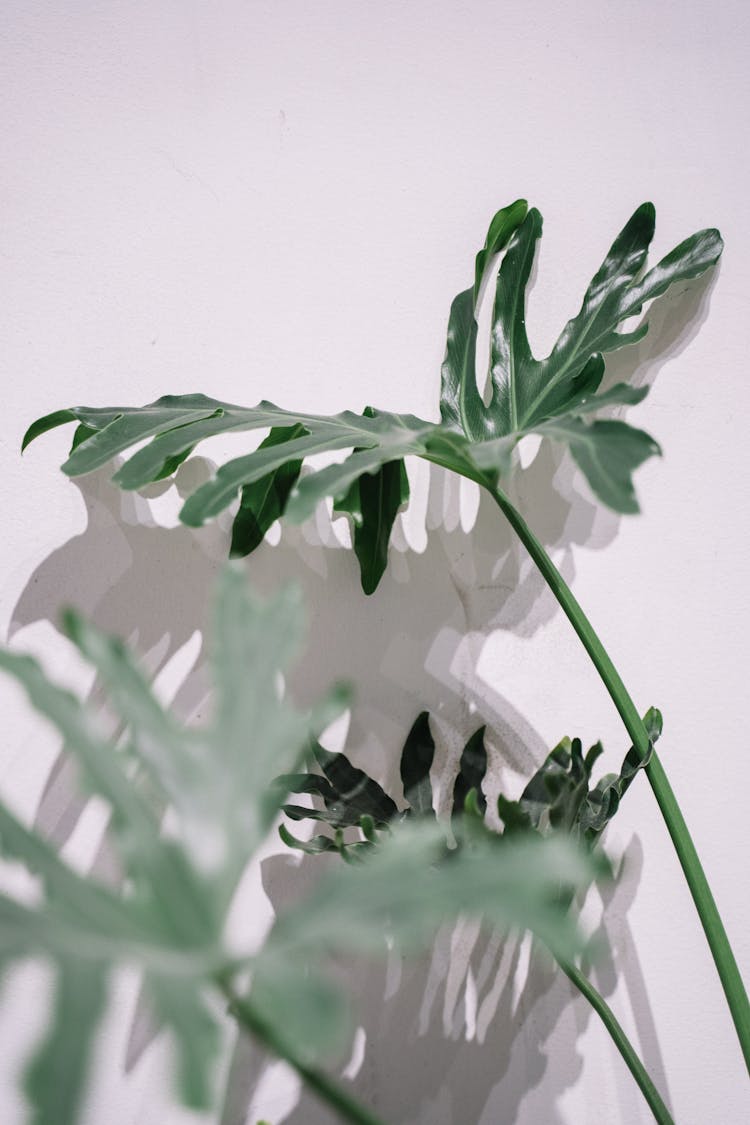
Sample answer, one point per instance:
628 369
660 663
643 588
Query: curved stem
708 913
623 1044
329 1091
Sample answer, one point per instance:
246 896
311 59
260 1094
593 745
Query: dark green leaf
558 795
604 800
373 501
608 453
502 226
357 794
416 762
314 846
555 794
171 465
46 423
461 404
264 501
528 394
471 773
306 783
80 434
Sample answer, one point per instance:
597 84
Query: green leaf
350 795
308 1012
373 501
410 885
183 1010
604 800
558 796
56 1077
502 226
416 762
170 917
356 794
555 795
45 424
553 397
314 846
528 395
264 501
471 772
607 453
168 469
526 390
336 480
83 433
461 404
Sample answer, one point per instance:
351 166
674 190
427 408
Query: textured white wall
280 199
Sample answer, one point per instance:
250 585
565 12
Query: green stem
708 913
335 1096
623 1044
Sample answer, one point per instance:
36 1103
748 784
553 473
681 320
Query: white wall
280 200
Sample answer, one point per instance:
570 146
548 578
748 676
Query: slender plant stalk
329 1091
708 913
621 1041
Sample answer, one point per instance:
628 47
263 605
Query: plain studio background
280 200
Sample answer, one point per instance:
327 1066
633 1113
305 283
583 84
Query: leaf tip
47 422
71 623
190 514
643 220
369 581
718 243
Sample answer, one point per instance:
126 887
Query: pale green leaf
56 1078
409 885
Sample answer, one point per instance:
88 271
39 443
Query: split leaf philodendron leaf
557 798
168 918
553 397
558 795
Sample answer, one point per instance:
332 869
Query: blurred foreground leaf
179 877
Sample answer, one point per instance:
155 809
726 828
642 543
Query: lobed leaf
550 397
559 796
169 918
553 397
349 794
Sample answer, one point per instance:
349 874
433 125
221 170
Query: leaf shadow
483 1029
